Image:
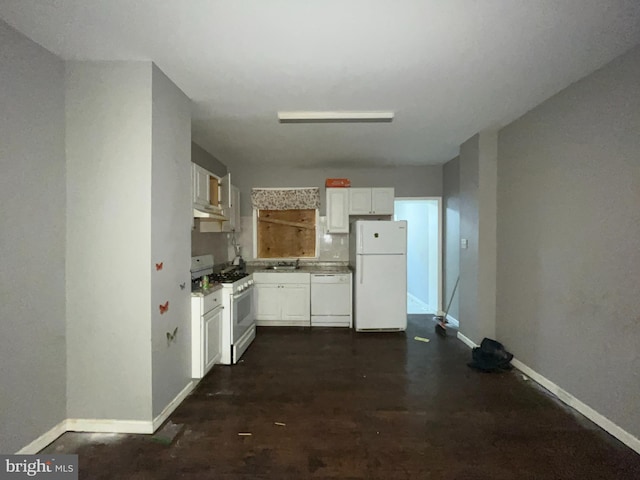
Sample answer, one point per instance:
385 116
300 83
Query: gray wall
568 230
171 207
478 205
451 237
108 134
32 270
203 158
469 218
408 181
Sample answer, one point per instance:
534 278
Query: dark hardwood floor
331 403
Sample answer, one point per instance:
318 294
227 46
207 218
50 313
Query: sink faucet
297 263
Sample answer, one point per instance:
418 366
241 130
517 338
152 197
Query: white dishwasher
331 300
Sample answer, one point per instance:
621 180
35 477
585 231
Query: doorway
424 252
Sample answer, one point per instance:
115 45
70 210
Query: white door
359 201
267 302
200 185
380 290
382 201
381 237
295 302
212 339
338 210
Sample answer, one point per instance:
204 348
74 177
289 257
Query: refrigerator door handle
361 271
361 246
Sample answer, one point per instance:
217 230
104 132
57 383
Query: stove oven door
242 317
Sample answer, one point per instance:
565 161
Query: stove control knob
240 288
250 282
245 285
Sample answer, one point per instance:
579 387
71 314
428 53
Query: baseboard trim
168 410
102 425
453 321
603 422
43 440
467 341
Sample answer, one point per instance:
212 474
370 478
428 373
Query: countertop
199 292
304 268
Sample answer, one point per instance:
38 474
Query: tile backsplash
332 247
211 243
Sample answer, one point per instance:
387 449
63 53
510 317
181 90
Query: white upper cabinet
201 193
382 201
337 210
229 205
371 201
234 215
225 193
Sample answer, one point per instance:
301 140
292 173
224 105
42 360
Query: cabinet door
359 201
382 201
200 185
338 210
267 302
225 191
232 212
296 302
212 339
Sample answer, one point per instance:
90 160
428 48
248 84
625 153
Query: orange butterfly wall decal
159 266
164 308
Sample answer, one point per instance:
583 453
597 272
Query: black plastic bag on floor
490 356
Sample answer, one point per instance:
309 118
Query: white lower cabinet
282 299
206 333
212 339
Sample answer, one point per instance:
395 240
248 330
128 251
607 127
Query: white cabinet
229 221
206 332
282 299
267 302
233 212
337 210
296 303
371 201
212 339
201 193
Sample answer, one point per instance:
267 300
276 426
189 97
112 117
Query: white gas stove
238 327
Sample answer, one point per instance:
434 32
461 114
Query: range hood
208 212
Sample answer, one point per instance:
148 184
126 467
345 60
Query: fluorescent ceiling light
334 117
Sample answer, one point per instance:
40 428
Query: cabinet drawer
211 301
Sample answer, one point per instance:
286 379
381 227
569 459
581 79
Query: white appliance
331 300
378 254
238 321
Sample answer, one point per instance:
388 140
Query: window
285 222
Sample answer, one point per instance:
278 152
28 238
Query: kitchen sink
282 267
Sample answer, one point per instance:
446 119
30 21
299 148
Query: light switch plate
464 243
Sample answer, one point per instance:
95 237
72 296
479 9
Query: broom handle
452 295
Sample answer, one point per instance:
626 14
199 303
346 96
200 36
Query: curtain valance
285 198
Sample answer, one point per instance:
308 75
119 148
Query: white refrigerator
378 255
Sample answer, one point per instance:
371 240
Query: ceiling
447 68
